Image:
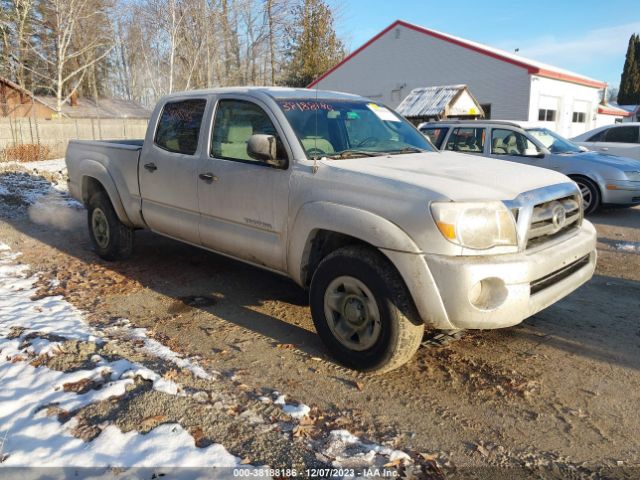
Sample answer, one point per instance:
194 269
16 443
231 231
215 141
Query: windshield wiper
351 152
407 150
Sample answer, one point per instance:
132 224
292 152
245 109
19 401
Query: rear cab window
435 134
467 140
179 125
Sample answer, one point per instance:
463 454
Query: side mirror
532 152
583 148
264 148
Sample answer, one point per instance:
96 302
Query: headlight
477 225
633 176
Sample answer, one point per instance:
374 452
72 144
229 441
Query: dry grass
28 152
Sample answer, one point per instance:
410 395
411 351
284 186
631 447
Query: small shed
609 113
438 103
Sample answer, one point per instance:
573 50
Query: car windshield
554 142
345 129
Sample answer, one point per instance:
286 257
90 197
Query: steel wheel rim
352 313
100 228
587 196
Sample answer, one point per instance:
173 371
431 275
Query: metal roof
429 101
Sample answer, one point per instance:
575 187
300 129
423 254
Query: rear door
168 170
243 202
619 140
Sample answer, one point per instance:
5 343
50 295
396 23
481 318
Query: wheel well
90 186
321 244
578 176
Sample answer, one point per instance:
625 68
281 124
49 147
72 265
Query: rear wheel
112 240
363 312
590 194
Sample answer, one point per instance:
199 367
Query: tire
590 192
112 240
348 288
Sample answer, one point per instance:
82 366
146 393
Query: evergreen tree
629 93
315 46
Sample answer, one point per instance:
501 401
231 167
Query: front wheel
590 194
363 312
111 239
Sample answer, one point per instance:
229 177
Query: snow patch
296 411
631 247
33 436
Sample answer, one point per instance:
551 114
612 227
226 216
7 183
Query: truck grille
554 218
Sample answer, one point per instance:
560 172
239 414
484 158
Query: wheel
111 239
590 194
363 312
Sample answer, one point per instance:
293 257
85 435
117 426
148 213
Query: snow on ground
30 436
54 165
632 247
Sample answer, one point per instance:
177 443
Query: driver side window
235 122
510 142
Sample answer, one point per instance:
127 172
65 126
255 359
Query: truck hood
452 175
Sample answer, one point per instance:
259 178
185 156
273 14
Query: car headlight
633 176
476 225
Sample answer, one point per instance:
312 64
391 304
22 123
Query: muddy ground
560 390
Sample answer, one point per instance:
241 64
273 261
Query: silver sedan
603 179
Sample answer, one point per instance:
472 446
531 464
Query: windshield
344 129
554 142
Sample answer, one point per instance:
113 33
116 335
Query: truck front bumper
484 292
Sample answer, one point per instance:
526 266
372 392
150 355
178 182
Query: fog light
488 294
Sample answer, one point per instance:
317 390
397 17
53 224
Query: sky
589 37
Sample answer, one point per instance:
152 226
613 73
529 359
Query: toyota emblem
559 217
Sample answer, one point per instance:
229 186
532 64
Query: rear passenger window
179 126
622 135
436 135
467 140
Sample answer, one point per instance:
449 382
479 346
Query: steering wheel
316 152
369 142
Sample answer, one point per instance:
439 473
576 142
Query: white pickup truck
348 199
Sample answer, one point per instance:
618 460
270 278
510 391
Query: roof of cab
274 92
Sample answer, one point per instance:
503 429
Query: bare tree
64 62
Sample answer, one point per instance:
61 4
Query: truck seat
236 144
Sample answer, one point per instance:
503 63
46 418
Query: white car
622 139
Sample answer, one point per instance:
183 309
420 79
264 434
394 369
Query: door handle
151 167
604 149
208 177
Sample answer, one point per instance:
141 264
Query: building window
579 117
546 115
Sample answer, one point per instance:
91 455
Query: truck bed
112 162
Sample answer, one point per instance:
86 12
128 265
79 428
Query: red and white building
509 87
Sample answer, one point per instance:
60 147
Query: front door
167 171
507 144
243 202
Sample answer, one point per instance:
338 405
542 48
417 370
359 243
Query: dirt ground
561 390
